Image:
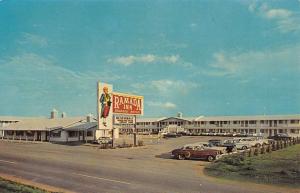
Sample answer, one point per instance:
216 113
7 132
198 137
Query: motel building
54 129
73 129
264 125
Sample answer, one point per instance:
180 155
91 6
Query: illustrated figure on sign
105 101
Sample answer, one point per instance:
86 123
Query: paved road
92 170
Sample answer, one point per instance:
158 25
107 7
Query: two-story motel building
266 125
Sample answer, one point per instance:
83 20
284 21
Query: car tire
181 157
244 147
210 158
187 155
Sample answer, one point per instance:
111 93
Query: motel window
9 132
56 134
280 122
73 134
235 122
262 122
294 121
89 134
262 131
153 123
212 122
19 133
252 122
29 133
295 131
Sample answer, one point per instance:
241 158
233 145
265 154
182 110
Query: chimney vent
89 118
53 114
63 115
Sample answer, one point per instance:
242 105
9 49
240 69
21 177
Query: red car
196 152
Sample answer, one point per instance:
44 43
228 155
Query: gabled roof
179 118
145 119
44 123
251 117
13 118
82 126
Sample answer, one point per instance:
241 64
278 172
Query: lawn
280 167
12 187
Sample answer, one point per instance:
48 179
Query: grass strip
7 186
280 167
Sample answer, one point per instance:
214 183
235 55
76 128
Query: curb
34 184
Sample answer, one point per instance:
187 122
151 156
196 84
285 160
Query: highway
91 170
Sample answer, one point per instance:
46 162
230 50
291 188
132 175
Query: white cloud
285 20
166 86
165 105
241 64
278 13
143 59
34 39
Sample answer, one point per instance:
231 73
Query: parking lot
90 169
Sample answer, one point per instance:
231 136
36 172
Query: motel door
39 135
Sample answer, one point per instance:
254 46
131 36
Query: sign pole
135 132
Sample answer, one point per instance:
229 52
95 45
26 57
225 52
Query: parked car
280 136
245 143
103 140
216 142
211 146
171 135
230 145
262 141
196 152
183 133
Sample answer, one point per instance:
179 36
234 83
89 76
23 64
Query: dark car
196 152
171 135
215 142
230 145
280 136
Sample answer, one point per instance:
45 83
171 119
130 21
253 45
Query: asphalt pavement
86 169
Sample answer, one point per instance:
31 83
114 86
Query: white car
210 146
245 143
262 141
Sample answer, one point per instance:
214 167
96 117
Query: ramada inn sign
127 104
110 103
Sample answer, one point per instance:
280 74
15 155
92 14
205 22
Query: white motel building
266 125
72 129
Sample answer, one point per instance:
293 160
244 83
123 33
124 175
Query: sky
201 57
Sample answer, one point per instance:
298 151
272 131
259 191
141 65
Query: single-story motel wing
67 129
70 129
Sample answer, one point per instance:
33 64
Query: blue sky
203 57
